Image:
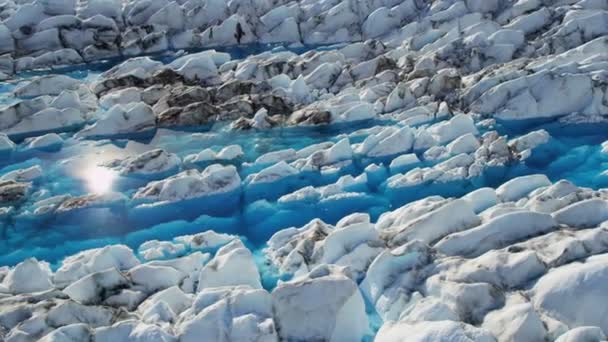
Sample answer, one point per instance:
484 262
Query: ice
233 265
389 142
234 313
6 143
47 142
46 85
430 331
72 332
582 333
69 312
89 289
122 97
147 164
176 300
23 175
587 213
427 224
28 276
215 179
582 282
353 242
206 240
482 199
515 322
521 186
501 230
337 170
380 285
120 120
327 301
153 278
94 260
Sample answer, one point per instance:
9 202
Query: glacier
280 170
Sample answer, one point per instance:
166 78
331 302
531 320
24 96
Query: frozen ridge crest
256 170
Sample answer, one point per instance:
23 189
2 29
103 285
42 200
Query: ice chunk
432 331
496 233
92 288
94 260
329 303
232 265
588 213
521 186
29 276
121 120
215 179
570 293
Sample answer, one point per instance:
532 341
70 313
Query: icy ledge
526 261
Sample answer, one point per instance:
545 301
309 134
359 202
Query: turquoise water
574 157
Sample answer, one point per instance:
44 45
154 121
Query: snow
173 297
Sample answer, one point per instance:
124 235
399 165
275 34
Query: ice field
257 170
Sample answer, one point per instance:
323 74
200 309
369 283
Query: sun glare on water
99 179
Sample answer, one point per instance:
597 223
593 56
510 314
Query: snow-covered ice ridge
255 170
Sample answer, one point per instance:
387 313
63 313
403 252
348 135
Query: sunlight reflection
99 179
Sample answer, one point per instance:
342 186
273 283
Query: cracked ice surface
254 170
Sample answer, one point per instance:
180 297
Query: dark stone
237 87
189 95
195 114
310 117
166 76
12 191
